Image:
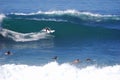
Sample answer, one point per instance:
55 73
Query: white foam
74 13
57 12
1 17
62 12
50 19
22 37
55 71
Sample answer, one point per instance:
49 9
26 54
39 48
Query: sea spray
1 17
55 71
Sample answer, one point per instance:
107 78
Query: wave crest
23 37
74 13
55 71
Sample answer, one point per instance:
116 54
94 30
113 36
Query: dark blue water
83 30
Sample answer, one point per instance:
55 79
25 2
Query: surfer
47 29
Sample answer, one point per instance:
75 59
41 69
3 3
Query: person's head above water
76 61
55 58
8 53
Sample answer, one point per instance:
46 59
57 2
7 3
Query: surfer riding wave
47 30
23 37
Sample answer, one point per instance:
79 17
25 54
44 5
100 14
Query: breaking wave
68 23
55 71
23 37
73 13
2 16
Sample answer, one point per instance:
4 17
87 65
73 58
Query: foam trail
54 71
23 37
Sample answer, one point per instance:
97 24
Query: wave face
55 71
68 23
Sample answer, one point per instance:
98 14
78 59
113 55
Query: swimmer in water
55 58
76 61
88 60
8 53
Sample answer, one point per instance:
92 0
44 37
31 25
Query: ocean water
83 30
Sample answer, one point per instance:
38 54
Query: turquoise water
83 30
